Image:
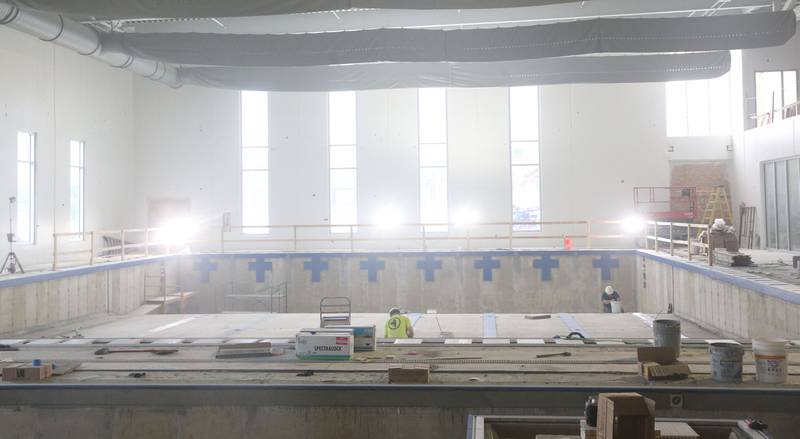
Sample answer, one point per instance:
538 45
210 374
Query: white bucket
616 306
770 355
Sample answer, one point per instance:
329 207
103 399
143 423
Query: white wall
598 142
756 145
62 96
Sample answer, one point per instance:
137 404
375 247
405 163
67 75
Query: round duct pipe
75 36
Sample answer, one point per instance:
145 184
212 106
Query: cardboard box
587 431
324 346
363 336
409 374
625 416
676 430
27 372
652 371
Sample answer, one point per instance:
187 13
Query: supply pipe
70 34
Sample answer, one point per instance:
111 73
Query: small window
26 188
698 108
76 187
255 161
524 136
343 160
432 113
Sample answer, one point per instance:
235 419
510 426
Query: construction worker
609 295
398 325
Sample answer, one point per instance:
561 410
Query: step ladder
718 206
334 311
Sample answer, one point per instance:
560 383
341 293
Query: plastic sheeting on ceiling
579 69
130 9
625 35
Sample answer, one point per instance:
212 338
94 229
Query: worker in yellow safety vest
398 325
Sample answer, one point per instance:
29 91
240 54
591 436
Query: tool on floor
106 351
559 354
538 317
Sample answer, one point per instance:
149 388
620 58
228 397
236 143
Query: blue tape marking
487 264
414 317
316 265
605 264
572 324
372 265
489 325
260 266
430 265
546 264
205 266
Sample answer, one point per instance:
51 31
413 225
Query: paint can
667 333
726 362
616 306
770 355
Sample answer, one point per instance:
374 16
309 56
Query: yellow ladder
718 206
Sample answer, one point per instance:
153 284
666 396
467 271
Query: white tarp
127 9
621 35
579 69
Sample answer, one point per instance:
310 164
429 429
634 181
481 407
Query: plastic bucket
770 355
616 306
667 333
726 362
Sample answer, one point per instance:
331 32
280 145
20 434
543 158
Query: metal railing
666 237
785 112
355 237
91 247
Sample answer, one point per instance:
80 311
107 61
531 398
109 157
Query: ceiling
360 19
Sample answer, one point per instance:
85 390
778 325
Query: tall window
432 106
524 138
343 164
255 161
699 108
76 178
26 188
775 90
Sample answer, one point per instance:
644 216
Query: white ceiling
448 19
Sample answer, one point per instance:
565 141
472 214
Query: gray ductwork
75 36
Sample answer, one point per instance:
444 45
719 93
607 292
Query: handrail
672 241
125 244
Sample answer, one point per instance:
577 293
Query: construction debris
559 354
538 317
732 259
247 350
28 372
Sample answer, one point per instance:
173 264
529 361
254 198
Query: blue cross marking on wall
316 265
205 266
372 265
487 264
605 264
260 266
430 265
546 264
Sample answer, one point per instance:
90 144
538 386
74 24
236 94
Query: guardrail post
511 236
689 240
146 241
122 245
351 238
655 237
55 251
294 238
671 244
91 248
424 238
589 234
468 237
222 239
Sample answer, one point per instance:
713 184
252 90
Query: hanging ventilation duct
84 40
